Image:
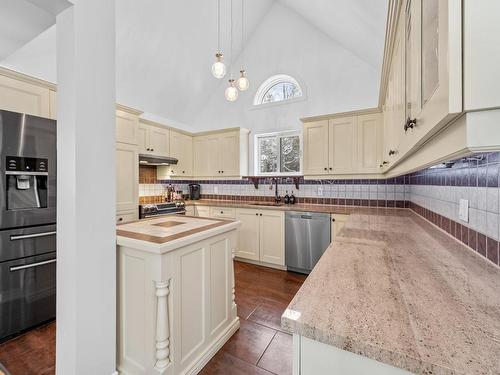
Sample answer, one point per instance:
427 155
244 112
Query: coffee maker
194 191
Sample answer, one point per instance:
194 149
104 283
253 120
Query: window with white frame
278 88
278 153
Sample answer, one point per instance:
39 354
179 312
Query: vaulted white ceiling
23 20
165 48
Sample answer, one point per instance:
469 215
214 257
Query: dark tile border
477 241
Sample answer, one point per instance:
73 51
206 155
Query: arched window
278 88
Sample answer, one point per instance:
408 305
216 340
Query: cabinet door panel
369 143
127 177
23 97
230 154
316 148
248 246
272 237
158 141
126 128
343 145
206 156
142 139
181 148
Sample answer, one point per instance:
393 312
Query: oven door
25 242
27 293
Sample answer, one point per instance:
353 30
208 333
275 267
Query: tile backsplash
433 193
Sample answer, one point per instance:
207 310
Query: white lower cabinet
203 211
223 212
338 222
315 358
261 235
127 178
126 216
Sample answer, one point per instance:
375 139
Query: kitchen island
395 295
175 293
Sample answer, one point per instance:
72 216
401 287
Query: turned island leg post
233 251
162 325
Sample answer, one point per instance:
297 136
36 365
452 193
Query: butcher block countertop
394 288
168 233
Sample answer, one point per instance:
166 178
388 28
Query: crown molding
26 78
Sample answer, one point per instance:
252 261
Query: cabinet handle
410 124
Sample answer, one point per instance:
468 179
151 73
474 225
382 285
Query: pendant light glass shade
218 68
243 82
231 92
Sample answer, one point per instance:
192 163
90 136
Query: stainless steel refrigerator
27 222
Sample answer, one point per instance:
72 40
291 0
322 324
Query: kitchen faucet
277 198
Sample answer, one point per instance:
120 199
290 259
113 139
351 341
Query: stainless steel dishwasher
307 235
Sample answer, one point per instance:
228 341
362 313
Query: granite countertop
326 208
394 288
165 233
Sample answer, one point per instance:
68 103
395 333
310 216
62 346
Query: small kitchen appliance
194 191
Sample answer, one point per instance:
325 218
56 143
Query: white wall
86 190
334 79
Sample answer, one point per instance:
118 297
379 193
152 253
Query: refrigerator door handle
23 267
32 235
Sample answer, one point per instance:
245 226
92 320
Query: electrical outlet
320 191
463 210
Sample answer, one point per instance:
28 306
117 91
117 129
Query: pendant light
231 92
243 83
218 68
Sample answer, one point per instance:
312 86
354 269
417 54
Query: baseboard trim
259 263
207 355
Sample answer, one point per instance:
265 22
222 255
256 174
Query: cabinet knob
333 219
183 171
256 214
222 212
392 152
221 171
326 168
331 168
120 219
410 124
260 214
384 163
152 149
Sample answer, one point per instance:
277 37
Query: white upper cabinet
344 145
153 139
424 82
23 97
369 138
181 148
222 154
127 127
316 148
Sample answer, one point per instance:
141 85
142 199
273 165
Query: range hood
157 160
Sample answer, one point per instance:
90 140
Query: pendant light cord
218 26
231 49
242 30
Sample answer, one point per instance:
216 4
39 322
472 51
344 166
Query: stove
155 209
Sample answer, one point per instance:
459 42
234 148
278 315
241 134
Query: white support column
86 252
162 326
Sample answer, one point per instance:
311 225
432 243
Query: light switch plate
463 210
320 191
